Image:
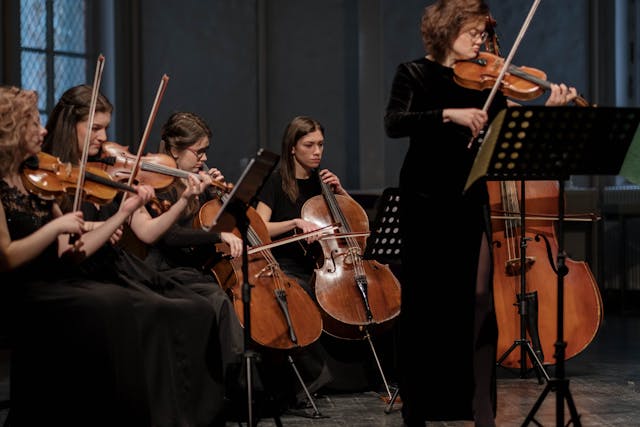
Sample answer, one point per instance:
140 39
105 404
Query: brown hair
442 21
17 109
72 108
297 128
180 131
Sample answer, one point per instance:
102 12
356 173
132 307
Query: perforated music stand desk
245 189
552 143
383 243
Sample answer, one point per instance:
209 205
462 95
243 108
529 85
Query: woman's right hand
472 118
307 227
70 223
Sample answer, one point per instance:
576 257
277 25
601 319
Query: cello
583 311
283 315
353 292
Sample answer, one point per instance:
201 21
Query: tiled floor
603 381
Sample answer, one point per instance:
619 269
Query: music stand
383 245
233 214
542 143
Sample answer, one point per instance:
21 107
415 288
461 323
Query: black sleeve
399 119
181 236
267 194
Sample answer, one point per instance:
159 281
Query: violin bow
85 149
507 61
145 134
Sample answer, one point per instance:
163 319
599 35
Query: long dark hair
297 128
73 107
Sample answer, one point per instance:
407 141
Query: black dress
178 332
438 384
77 355
187 254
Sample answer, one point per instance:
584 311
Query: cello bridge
513 267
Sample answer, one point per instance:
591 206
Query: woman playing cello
455 379
295 181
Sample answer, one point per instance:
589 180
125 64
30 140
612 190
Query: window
53 48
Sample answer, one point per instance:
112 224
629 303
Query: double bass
353 292
583 311
283 315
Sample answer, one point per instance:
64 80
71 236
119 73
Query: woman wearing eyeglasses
177 326
455 378
186 254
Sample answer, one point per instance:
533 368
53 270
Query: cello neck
334 207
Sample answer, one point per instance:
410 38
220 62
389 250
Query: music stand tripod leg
389 407
523 342
316 413
559 384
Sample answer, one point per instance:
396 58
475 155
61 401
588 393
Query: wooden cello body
353 293
283 315
583 311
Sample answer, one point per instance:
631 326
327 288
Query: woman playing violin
178 327
456 378
187 254
77 357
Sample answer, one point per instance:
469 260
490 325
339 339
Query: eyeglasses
476 35
198 153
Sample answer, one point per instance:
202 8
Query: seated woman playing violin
187 253
77 356
439 117
177 326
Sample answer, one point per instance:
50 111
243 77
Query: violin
157 170
521 83
49 178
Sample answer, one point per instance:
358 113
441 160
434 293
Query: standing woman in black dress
455 378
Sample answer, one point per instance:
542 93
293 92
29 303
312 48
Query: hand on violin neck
193 187
560 95
144 193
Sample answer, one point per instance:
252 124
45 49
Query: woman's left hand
561 94
194 187
331 179
234 242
